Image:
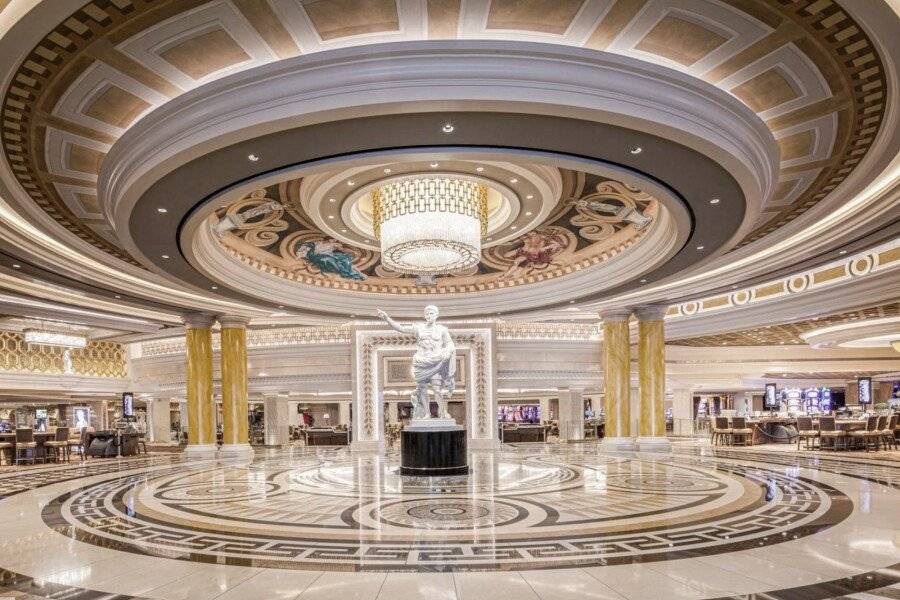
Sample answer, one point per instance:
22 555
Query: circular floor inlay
515 511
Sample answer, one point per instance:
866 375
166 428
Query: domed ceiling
805 67
584 220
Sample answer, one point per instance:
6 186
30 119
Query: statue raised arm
407 329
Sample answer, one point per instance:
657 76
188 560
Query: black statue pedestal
433 450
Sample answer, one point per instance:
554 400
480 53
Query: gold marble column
200 407
617 379
233 368
652 377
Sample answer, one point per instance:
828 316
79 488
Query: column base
654 444
619 444
198 451
235 451
483 444
367 447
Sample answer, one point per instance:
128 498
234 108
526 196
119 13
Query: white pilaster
571 415
276 421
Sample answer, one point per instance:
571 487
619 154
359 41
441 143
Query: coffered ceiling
788 333
806 67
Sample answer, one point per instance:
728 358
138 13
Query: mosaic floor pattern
533 521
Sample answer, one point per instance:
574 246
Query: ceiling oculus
430 226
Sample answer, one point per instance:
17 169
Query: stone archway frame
475 343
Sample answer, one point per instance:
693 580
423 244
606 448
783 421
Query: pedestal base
198 451
618 444
432 452
653 444
243 451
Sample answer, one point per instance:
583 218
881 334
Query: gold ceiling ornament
430 225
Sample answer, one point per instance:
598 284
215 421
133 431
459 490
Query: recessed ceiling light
386 171
351 182
842 252
714 201
448 128
434 165
571 302
16 266
281 306
213 287
479 169
488 239
330 216
343 231
165 256
514 227
162 210
514 180
367 240
643 281
700 247
117 296
332 199
253 157
528 214
529 196
636 150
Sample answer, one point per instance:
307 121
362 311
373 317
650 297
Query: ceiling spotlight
514 227
16 266
448 128
162 210
636 150
330 216
514 180
386 171
842 252
213 287
332 200
643 281
571 302
165 256
529 196
528 214
253 157
351 182
434 165
479 169
700 247
343 231
117 296
714 201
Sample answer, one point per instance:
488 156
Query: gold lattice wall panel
97 359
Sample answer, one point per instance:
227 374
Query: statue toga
434 363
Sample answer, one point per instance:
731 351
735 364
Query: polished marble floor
532 521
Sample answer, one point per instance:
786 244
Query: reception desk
515 432
327 436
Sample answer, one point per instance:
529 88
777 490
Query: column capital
233 322
198 320
615 314
651 312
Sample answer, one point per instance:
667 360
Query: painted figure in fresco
434 363
537 251
326 256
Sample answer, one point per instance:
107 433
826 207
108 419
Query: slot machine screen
127 404
865 390
771 399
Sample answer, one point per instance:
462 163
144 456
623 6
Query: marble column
617 379
571 415
275 411
160 425
545 409
233 357
344 413
683 412
652 378
200 408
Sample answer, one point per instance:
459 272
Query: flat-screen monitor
127 404
771 399
865 390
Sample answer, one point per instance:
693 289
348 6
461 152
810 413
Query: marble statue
434 363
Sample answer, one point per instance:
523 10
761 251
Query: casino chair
24 443
59 444
720 431
806 431
828 431
741 435
887 433
870 436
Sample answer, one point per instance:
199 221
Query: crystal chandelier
430 225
